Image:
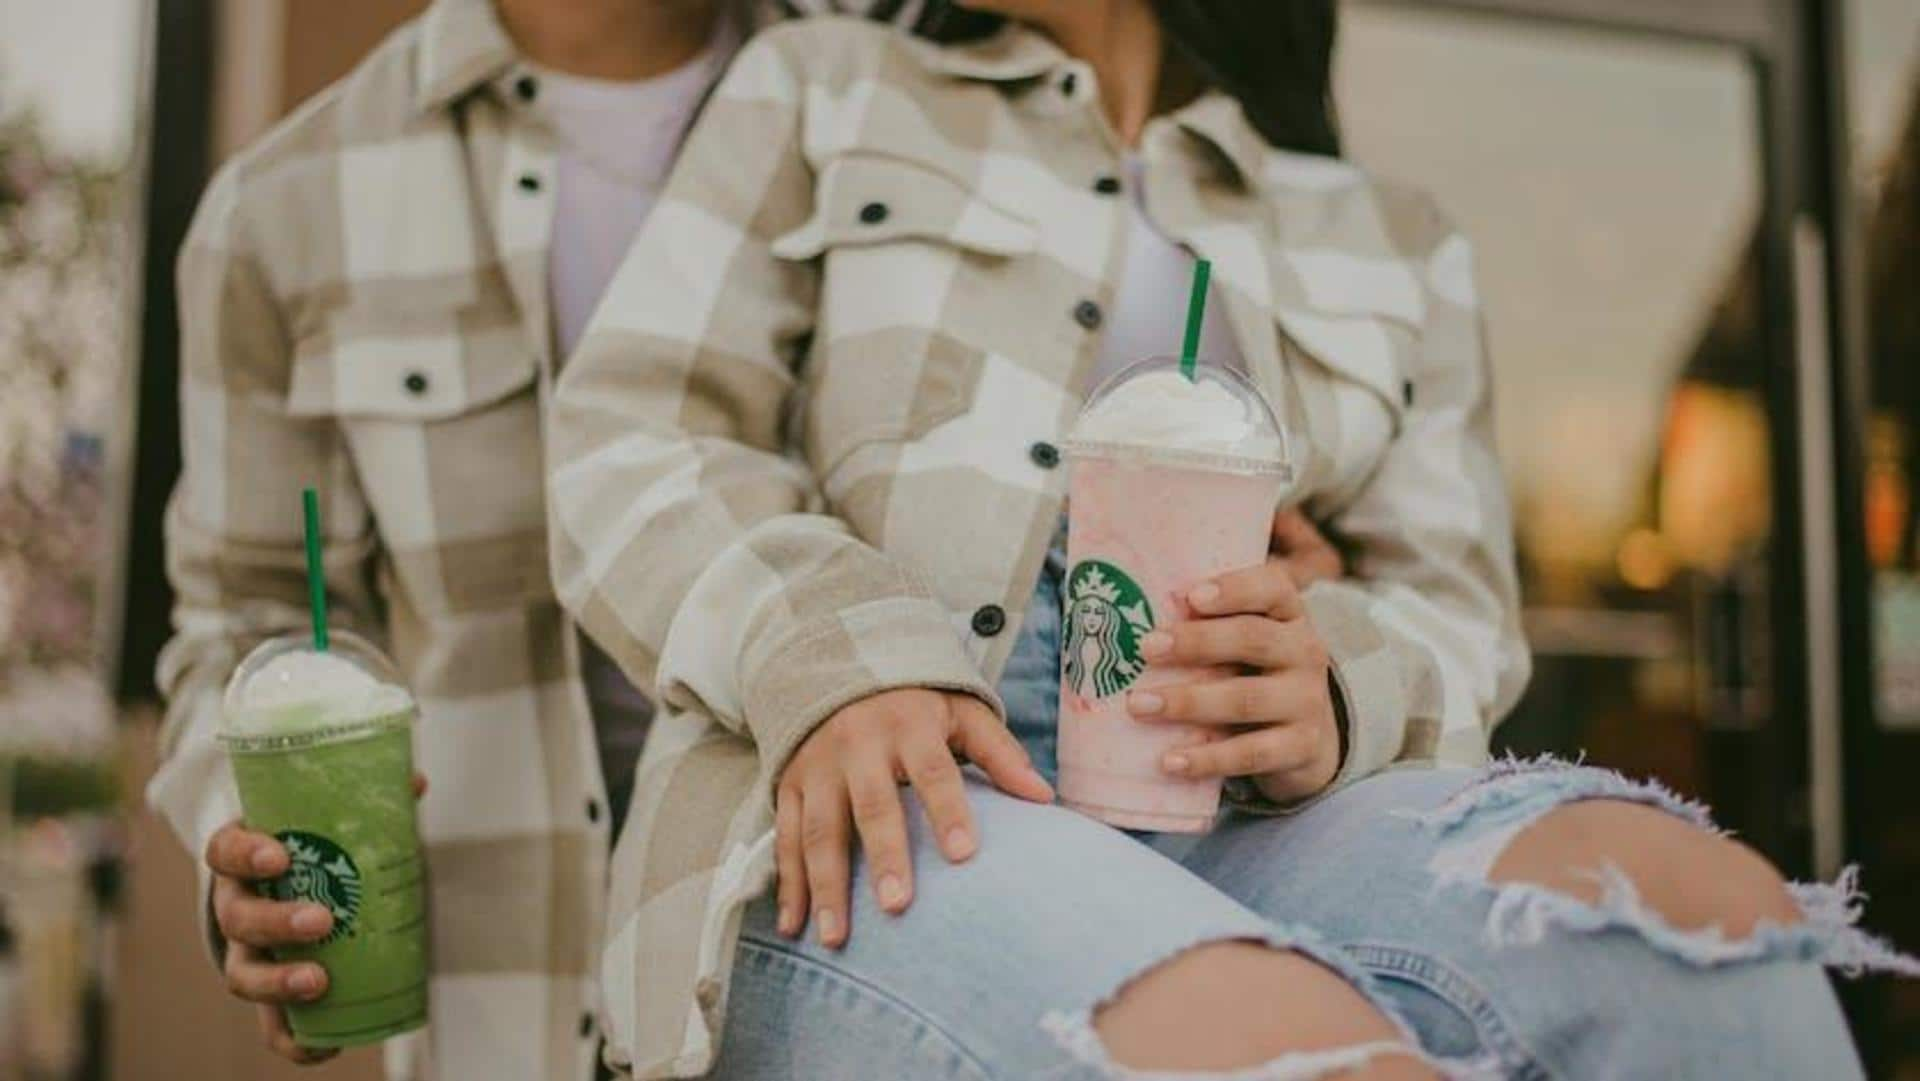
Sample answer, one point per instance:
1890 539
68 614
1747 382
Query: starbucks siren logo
1107 615
322 873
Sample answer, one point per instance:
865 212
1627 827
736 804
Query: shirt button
1406 392
529 182
527 87
1069 83
873 213
1044 454
1087 314
586 1025
416 383
1107 185
593 810
989 620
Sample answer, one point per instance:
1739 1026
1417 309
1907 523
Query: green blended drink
321 747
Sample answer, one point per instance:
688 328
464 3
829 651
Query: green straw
1196 312
316 572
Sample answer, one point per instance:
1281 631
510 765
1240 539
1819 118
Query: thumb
986 742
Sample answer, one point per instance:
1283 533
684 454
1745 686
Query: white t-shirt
617 143
1149 312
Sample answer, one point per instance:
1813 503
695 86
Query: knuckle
1247 758
874 805
1254 640
1249 699
1313 651
818 832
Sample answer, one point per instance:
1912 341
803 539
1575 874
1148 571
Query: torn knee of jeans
1080 1032
1478 824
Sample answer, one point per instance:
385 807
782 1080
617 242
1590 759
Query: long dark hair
1275 57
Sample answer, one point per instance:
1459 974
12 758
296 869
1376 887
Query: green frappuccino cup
321 748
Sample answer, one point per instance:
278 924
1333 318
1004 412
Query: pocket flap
870 199
1371 350
1359 314
407 373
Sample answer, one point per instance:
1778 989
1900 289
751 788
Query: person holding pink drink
854 467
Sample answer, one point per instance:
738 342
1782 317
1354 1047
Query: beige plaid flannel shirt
797 458
364 309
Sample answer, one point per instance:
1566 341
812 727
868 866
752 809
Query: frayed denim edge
1513 782
1523 913
1074 1031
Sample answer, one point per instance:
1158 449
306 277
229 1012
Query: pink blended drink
1173 481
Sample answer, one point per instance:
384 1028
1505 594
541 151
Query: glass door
1615 187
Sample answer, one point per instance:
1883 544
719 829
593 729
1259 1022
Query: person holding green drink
320 735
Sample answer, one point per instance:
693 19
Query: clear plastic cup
322 751
1171 482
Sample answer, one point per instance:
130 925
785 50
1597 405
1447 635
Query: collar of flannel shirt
1017 54
462 46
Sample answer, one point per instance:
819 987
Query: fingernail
1175 763
311 920
1145 702
959 843
265 859
893 892
304 981
786 923
828 921
1203 595
1155 644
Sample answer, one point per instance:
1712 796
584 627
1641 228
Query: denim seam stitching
1440 978
799 959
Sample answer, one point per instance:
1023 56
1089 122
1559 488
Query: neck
1121 40
610 39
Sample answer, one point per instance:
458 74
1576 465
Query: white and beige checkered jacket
802 453
364 309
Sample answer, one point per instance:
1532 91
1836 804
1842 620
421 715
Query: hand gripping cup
321 747
1175 472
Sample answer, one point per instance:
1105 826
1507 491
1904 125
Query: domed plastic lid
1152 411
287 694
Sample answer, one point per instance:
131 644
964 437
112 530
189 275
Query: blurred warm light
1580 501
1888 495
1714 494
1645 561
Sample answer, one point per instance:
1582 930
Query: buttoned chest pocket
907 253
443 430
1351 352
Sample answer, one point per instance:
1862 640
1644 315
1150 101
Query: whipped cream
304 690
1163 410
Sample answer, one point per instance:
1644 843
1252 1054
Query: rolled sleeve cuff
852 654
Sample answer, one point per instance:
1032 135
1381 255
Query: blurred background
1698 228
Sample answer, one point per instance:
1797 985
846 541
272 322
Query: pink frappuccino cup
1172 481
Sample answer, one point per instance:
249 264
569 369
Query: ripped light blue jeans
996 969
